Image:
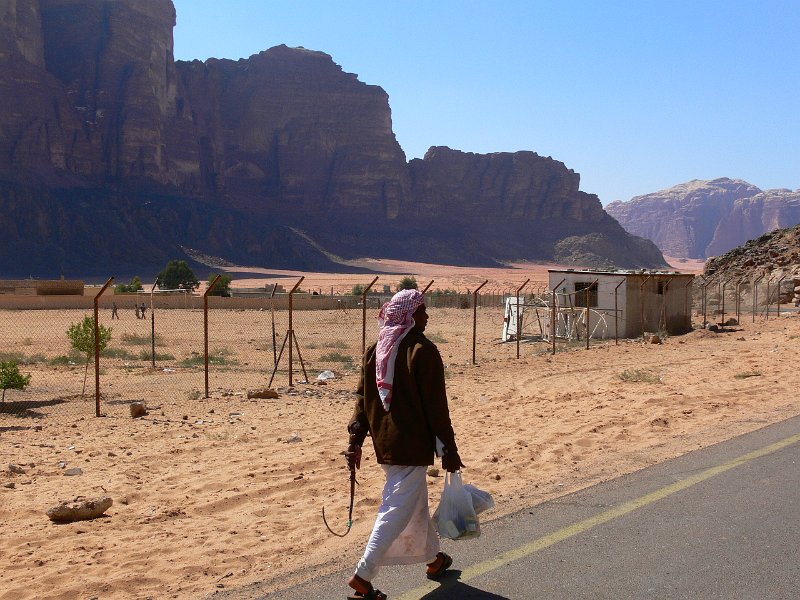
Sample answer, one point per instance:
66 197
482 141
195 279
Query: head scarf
395 323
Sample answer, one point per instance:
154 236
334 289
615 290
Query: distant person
136 308
143 310
114 313
402 403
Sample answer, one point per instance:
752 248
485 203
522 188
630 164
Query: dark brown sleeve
429 373
359 425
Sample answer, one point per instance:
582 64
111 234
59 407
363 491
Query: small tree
129 288
11 378
223 287
177 276
81 336
358 289
407 283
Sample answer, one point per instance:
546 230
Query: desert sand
226 491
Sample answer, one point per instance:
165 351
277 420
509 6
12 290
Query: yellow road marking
500 560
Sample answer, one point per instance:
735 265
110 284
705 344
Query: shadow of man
453 589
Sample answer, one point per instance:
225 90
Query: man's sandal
373 594
434 570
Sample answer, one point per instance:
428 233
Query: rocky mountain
117 157
699 219
777 251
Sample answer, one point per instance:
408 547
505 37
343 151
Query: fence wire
158 357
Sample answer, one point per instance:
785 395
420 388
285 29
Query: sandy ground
389 272
226 491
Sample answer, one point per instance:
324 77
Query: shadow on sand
27 409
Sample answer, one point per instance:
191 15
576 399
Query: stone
654 339
433 472
73 471
10 485
138 409
266 393
80 509
247 150
16 469
681 220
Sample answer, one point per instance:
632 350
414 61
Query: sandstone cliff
681 220
118 156
750 217
699 219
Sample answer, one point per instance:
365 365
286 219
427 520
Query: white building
621 303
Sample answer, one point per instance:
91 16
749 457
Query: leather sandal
434 570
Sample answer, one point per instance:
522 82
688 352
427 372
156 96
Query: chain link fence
158 351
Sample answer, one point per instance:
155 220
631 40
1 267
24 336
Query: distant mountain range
700 219
116 158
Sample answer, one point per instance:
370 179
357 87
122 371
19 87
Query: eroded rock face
753 216
683 219
119 158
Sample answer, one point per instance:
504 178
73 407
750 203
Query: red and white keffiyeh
395 323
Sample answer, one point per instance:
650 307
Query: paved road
722 522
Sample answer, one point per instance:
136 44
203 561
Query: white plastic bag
481 500
456 517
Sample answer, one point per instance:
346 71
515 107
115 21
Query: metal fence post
428 286
755 295
290 333
779 294
722 301
641 301
153 326
97 348
475 320
364 315
519 321
205 327
616 314
553 327
586 298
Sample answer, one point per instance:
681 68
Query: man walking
402 404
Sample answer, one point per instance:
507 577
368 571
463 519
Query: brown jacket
418 412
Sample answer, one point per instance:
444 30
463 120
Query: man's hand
353 456
451 462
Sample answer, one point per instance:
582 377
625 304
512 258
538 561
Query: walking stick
353 483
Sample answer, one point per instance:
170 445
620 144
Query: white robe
403 533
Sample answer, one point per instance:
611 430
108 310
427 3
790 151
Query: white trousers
403 533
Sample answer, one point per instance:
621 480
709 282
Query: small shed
623 303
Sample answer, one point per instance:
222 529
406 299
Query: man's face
420 317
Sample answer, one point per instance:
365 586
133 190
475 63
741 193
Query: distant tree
407 283
223 287
11 378
177 276
358 289
129 288
81 336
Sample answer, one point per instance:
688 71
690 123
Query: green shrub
11 378
130 288
640 376
81 336
747 374
407 283
141 340
22 359
336 357
147 355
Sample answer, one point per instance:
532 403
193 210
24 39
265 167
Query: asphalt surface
722 522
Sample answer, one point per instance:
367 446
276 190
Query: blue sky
636 96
